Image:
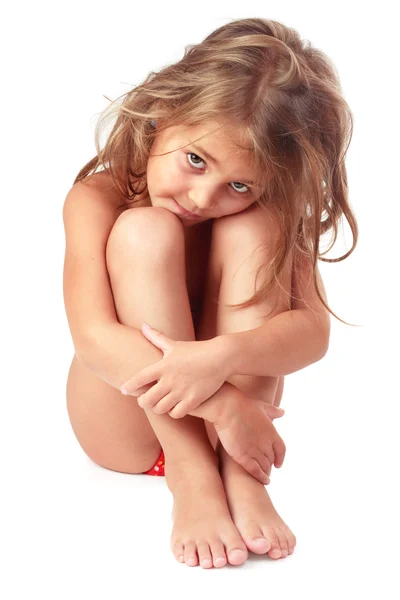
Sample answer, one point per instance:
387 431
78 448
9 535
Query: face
208 188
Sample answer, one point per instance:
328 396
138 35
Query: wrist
226 351
220 406
223 404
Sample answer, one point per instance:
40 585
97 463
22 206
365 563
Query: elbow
323 349
84 350
92 344
323 341
81 354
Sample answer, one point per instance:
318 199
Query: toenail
206 562
220 561
237 553
191 561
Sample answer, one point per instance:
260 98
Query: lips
184 211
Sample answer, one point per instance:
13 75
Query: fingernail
124 391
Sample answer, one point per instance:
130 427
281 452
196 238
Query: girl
218 179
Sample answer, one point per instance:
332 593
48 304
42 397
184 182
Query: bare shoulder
102 185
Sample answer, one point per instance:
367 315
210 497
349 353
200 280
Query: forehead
223 141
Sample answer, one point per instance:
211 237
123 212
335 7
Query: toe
178 552
237 556
275 548
275 552
283 544
236 550
218 553
190 554
204 553
254 538
291 538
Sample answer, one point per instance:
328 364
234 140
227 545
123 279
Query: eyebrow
215 161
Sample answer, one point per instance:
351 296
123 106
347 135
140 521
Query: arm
89 214
289 341
116 352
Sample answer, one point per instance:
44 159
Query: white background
70 529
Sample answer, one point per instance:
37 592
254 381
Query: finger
143 389
264 463
252 466
279 451
273 412
142 378
152 396
179 411
165 404
268 451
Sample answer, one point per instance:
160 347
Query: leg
113 430
249 502
146 257
238 263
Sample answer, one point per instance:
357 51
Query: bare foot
262 529
203 531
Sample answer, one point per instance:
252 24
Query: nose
203 197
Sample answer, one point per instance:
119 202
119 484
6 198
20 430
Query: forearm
117 352
285 344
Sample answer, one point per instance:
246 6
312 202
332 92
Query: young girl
218 179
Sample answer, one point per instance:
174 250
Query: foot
262 529
203 531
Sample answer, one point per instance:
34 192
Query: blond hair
285 96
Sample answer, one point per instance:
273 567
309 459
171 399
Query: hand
249 437
187 375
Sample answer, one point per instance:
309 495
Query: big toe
254 539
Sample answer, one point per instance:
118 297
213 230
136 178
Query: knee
244 231
154 231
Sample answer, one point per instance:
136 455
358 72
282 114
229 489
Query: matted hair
285 96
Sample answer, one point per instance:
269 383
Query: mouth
185 212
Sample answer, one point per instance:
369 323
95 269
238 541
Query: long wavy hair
285 96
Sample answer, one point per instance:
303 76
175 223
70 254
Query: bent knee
252 226
145 228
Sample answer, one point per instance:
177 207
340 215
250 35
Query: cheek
164 176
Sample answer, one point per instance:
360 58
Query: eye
190 154
237 183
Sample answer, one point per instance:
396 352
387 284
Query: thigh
111 428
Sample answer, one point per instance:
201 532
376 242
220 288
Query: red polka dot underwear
158 469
